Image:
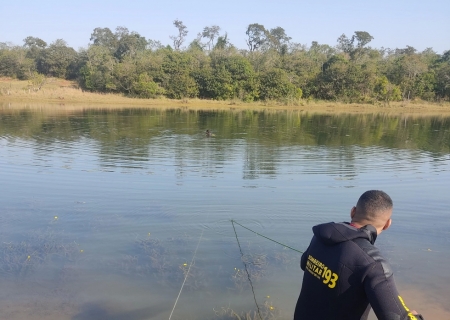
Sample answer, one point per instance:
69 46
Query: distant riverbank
65 94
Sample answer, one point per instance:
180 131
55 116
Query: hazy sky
392 23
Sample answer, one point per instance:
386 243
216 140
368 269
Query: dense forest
210 67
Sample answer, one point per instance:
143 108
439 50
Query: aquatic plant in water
40 248
256 266
167 261
266 312
259 263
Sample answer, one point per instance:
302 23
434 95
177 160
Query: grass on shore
66 94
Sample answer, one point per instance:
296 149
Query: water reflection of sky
112 182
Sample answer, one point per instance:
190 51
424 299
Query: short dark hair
373 201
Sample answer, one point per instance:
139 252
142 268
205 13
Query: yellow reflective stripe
410 315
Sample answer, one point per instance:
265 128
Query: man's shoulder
374 255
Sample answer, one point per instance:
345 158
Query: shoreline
63 94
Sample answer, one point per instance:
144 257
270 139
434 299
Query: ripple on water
113 179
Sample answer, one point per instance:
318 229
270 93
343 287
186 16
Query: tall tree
443 81
408 51
30 42
257 36
181 36
278 39
222 42
96 74
347 45
34 46
15 63
179 83
56 59
210 33
104 37
362 38
128 43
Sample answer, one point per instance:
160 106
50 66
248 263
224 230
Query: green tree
210 33
348 45
56 59
215 83
257 36
345 44
37 81
443 82
332 82
151 63
125 75
104 37
196 44
181 86
181 36
406 72
362 38
96 72
30 42
15 63
222 42
179 83
128 43
227 77
278 39
385 91
145 87
275 85
34 46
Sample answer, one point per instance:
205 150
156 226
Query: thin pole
187 273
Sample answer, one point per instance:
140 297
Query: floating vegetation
266 312
41 248
167 261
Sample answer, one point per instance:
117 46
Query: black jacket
345 275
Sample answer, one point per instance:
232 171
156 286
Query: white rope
187 273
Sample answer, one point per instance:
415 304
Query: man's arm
383 295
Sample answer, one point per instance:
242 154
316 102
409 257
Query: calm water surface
104 213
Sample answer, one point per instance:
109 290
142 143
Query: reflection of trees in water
137 138
259 162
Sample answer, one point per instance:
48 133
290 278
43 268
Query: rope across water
261 235
233 222
243 260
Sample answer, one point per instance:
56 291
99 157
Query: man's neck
356 224
359 225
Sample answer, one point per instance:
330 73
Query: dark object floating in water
209 133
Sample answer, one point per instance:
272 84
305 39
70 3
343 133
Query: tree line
273 67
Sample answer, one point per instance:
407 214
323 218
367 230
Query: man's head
374 207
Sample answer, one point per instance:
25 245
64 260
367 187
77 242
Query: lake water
104 213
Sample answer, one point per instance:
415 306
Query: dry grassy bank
59 93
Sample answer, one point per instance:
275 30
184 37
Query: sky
392 23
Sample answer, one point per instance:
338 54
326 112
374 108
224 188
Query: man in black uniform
345 273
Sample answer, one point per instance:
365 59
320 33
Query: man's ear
388 224
352 212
